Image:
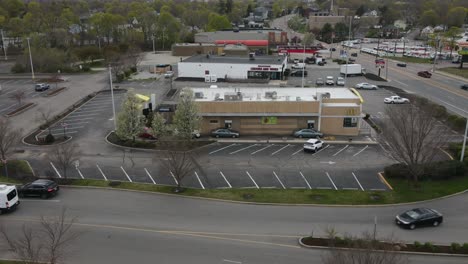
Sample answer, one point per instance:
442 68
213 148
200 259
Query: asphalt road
147 227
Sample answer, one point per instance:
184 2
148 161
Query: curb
400 252
297 141
21 111
439 71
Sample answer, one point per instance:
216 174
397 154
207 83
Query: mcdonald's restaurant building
279 111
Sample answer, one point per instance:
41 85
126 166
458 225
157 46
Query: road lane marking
401 83
301 149
79 172
248 174
361 151
279 180
239 150
232 261
149 175
173 176
214 151
340 150
328 175
103 175
56 171
128 177
225 179
308 185
279 150
262 149
201 184
453 106
354 175
320 150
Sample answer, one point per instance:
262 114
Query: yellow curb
448 154
382 178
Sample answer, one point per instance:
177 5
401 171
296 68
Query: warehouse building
279 111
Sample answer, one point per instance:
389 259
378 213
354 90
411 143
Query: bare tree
363 250
46 243
45 115
413 135
134 55
180 164
63 155
18 96
9 137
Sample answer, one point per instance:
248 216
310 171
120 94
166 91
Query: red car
425 74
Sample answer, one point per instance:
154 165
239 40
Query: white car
330 80
366 86
395 99
168 74
299 65
340 81
313 144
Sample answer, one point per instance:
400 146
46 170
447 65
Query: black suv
41 188
297 73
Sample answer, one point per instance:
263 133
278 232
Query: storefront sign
269 120
351 111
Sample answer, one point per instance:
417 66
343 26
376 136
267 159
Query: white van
8 198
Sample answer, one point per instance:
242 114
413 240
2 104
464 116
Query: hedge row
442 170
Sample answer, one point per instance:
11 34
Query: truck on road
352 69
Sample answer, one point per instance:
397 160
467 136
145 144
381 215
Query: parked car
307 133
333 49
419 217
299 65
8 198
395 99
321 63
366 86
225 132
319 82
351 60
41 188
313 144
330 80
298 73
425 74
401 64
168 74
340 81
465 86
39 87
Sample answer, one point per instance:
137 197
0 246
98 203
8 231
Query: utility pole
4 46
30 59
303 68
154 49
347 58
464 141
112 96
435 54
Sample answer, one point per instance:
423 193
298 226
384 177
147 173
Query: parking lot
9 87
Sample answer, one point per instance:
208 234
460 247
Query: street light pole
112 96
30 59
347 58
4 46
464 141
303 66
154 50
435 55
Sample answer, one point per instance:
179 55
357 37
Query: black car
40 188
354 54
425 74
225 132
401 64
298 73
465 86
419 217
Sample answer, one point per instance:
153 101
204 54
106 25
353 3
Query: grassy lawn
10 262
15 168
456 71
410 59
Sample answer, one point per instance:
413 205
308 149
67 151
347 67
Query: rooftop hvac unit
232 97
298 98
270 95
199 95
287 97
274 96
326 95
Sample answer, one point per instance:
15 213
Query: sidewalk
355 140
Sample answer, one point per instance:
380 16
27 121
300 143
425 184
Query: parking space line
128 177
357 153
297 187
67 129
377 189
308 185
172 174
230 186
340 151
86 111
269 187
74 123
279 179
55 169
324 188
239 150
279 150
103 175
248 174
301 149
320 149
354 175
353 189
68 132
149 175
79 172
214 151
79 118
73 114
262 149
201 184
328 175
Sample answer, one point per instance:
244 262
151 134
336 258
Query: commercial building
279 111
210 68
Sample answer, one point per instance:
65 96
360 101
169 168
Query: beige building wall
341 111
259 107
334 126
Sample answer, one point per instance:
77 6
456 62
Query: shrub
429 246
398 171
440 111
49 138
85 68
114 183
455 247
459 122
465 247
18 68
133 69
451 118
417 244
444 170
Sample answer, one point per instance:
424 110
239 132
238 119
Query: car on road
366 86
225 132
298 73
465 86
39 87
321 63
168 74
401 64
319 82
313 144
354 54
330 80
299 65
8 198
395 99
425 74
307 133
419 217
40 188
340 81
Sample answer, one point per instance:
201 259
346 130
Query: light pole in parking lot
464 141
4 45
112 96
30 59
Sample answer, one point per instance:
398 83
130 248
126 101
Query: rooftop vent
270 95
232 97
298 98
198 95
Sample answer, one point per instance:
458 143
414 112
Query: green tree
217 22
326 32
248 10
341 32
429 18
456 16
158 125
130 120
361 10
451 36
186 117
308 39
13 7
229 6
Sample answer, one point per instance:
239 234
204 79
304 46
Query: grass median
456 71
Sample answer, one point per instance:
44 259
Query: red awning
245 42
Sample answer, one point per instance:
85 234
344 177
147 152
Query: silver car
366 86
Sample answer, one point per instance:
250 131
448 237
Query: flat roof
262 59
266 94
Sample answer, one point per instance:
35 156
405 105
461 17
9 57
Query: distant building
273 37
